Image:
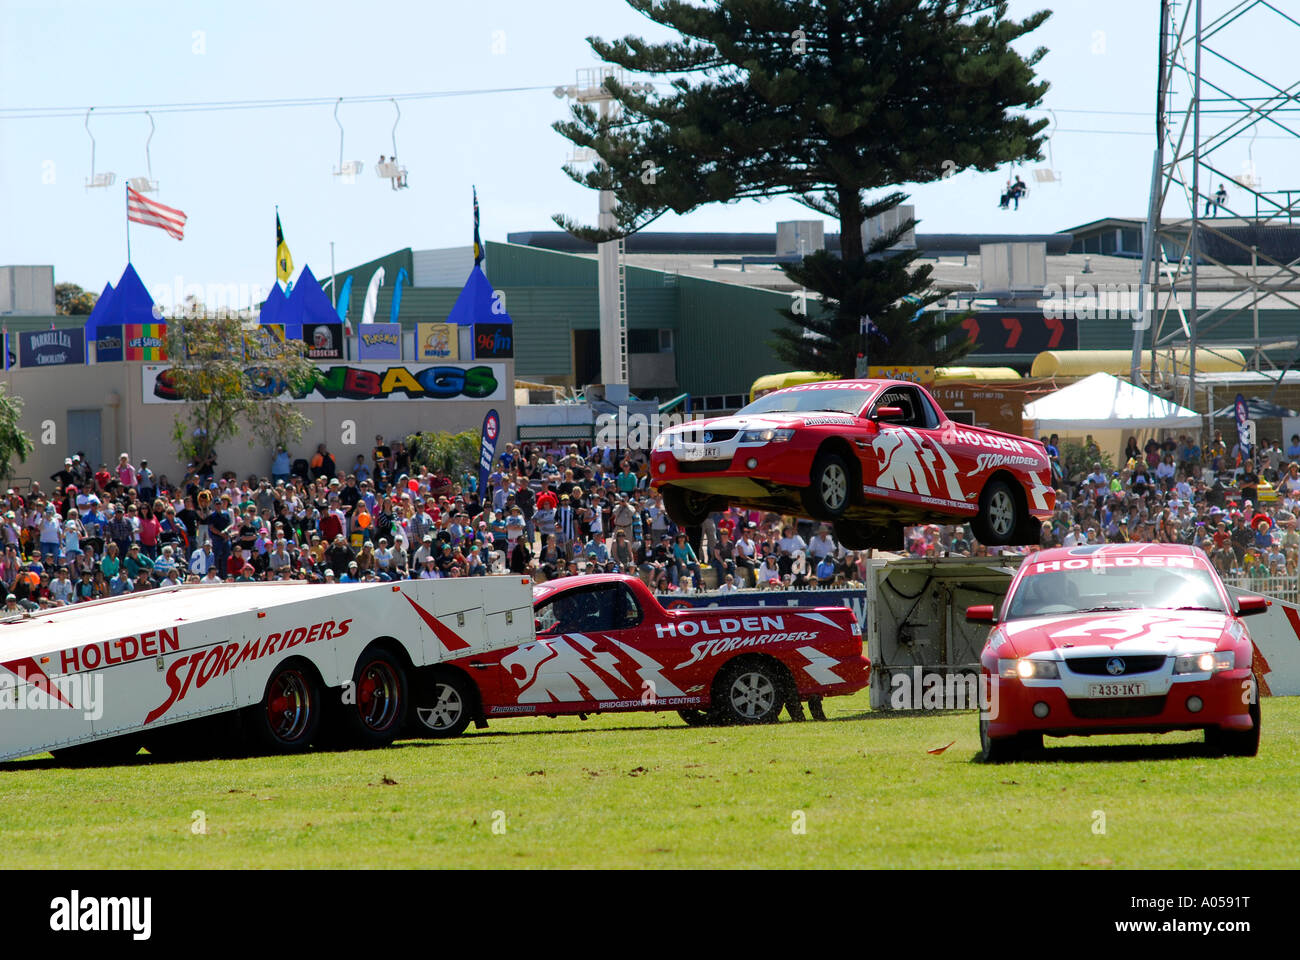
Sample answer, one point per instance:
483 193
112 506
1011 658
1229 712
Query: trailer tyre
289 715
372 711
444 707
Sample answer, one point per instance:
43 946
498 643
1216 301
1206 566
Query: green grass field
644 790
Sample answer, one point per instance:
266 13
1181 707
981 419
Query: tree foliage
234 379
825 331
448 454
13 441
820 100
72 301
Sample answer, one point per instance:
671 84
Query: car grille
715 436
1118 708
1096 666
703 466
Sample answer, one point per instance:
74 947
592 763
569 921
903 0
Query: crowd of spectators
556 510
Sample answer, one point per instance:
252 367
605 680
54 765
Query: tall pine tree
821 100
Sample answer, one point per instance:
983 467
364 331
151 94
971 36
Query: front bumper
1224 697
730 468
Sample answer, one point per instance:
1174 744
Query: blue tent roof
273 306
307 303
474 305
130 303
101 306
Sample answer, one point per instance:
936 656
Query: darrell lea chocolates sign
47 348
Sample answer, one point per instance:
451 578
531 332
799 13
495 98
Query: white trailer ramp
296 663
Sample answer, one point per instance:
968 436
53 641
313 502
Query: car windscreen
1100 585
809 399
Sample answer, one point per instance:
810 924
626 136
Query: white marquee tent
1103 402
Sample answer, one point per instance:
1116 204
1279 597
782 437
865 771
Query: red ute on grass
1118 638
605 643
870 456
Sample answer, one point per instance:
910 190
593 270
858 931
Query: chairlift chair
96 179
349 168
391 169
1049 173
146 184
1249 179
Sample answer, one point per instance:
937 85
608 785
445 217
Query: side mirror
537 625
889 413
980 613
1251 605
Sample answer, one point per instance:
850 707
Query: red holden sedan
1118 638
869 456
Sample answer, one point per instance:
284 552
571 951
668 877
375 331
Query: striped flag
154 214
478 244
283 258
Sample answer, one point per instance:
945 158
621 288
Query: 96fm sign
494 341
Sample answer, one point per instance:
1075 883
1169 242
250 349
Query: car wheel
749 692
856 535
1237 743
999 749
696 718
830 489
998 520
445 706
687 508
289 715
373 710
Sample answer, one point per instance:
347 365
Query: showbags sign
353 381
487 449
324 340
379 341
45 348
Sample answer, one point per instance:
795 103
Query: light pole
610 275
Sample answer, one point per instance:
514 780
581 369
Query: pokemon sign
356 381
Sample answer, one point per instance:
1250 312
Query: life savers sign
358 381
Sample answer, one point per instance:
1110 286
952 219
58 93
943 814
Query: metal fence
1285 588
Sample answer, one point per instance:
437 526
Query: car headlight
1027 669
766 435
662 441
1215 662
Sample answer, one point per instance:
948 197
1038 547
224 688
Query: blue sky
228 169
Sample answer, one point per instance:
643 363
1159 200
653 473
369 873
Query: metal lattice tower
1206 263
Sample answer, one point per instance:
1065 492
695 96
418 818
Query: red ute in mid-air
1118 638
604 643
870 456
